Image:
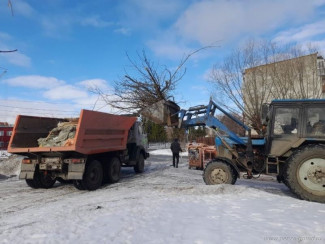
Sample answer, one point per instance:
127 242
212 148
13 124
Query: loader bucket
162 113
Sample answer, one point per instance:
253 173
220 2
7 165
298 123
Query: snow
4 154
162 205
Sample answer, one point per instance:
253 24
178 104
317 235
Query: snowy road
162 205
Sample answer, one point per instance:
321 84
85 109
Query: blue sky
65 47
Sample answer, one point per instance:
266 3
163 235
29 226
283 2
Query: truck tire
35 182
93 176
46 181
32 183
139 167
79 185
62 181
219 172
305 173
114 170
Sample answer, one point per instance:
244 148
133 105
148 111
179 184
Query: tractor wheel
93 176
46 180
114 170
139 167
305 173
218 172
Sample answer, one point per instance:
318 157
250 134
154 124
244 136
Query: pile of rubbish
61 136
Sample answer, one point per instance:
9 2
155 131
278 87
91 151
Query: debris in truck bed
62 135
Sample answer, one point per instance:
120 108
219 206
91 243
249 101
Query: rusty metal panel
27 130
102 132
200 154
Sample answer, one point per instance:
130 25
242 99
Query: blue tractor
293 147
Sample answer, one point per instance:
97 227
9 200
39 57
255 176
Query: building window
1 144
2 133
9 133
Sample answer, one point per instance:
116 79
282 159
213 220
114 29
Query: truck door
285 130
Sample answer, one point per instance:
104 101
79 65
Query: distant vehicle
100 144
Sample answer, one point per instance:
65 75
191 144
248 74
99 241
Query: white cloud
123 31
305 32
34 81
96 21
5 36
22 8
59 98
67 92
169 48
95 83
11 107
208 21
18 59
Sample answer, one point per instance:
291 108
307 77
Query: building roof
282 61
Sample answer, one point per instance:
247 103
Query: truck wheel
79 185
35 182
32 183
46 181
305 173
114 170
62 181
139 167
93 175
218 172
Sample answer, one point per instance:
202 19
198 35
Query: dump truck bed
96 132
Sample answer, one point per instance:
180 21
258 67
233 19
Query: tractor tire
46 181
139 167
114 170
305 173
79 185
93 176
219 172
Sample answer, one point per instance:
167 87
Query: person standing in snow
176 149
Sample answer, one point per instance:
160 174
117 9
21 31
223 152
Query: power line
6 112
29 101
63 111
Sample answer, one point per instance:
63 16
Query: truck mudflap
27 171
75 171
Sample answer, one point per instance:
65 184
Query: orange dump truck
89 150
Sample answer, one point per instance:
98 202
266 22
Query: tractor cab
292 123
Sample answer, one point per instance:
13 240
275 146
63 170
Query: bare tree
147 84
261 71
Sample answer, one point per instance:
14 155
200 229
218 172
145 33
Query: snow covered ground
162 205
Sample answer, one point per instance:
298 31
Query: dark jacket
175 147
